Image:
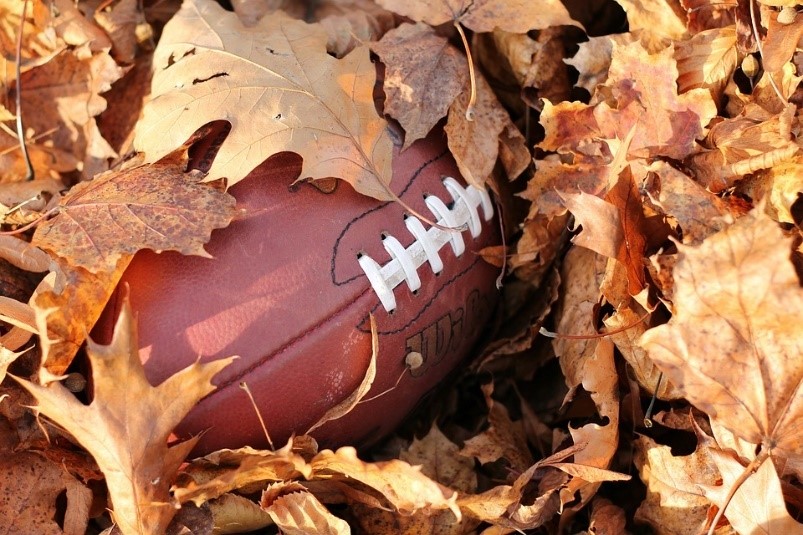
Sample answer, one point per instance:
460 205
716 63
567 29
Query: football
290 288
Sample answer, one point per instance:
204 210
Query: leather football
290 288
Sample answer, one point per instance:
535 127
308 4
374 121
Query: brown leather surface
284 291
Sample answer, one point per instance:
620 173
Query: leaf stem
472 80
749 470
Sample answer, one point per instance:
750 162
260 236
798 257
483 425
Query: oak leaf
516 16
423 76
279 89
127 425
733 345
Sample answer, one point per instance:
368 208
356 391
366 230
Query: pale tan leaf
279 89
300 513
127 424
402 485
765 516
734 342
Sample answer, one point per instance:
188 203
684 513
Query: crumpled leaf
484 15
296 511
734 342
279 89
675 504
156 206
127 424
404 486
226 470
641 93
423 76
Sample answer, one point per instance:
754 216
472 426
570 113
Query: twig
18 96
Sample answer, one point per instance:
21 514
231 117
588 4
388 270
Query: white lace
404 263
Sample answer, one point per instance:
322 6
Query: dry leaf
663 20
279 89
675 504
745 513
402 485
351 401
475 144
296 511
423 76
223 471
504 439
156 206
30 488
127 424
516 16
733 345
707 60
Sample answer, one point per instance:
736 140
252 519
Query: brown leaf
30 487
675 504
423 75
707 60
60 101
439 460
127 424
475 144
226 470
296 511
67 303
154 206
402 485
232 513
279 89
662 20
698 212
733 344
743 513
504 439
359 393
484 15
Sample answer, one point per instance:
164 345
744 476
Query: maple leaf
423 75
516 16
157 207
279 89
640 93
733 345
127 424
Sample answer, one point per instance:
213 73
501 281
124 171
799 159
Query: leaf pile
648 161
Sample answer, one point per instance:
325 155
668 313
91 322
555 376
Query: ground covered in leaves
646 155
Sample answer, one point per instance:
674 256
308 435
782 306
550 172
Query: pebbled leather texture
285 293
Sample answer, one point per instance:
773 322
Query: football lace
404 263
